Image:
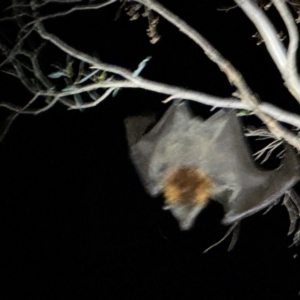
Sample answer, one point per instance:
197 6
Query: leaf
80 72
70 88
57 74
78 100
141 66
115 92
88 76
94 95
244 112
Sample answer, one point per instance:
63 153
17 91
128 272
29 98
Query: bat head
186 192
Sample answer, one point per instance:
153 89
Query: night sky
77 222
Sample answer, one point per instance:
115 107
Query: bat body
190 160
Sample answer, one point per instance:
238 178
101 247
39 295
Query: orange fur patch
187 185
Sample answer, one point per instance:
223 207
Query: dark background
77 222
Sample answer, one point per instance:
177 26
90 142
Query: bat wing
137 126
217 147
156 151
253 189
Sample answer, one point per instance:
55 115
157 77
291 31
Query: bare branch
289 73
245 100
263 134
284 60
234 77
266 30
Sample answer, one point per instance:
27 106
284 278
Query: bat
191 161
